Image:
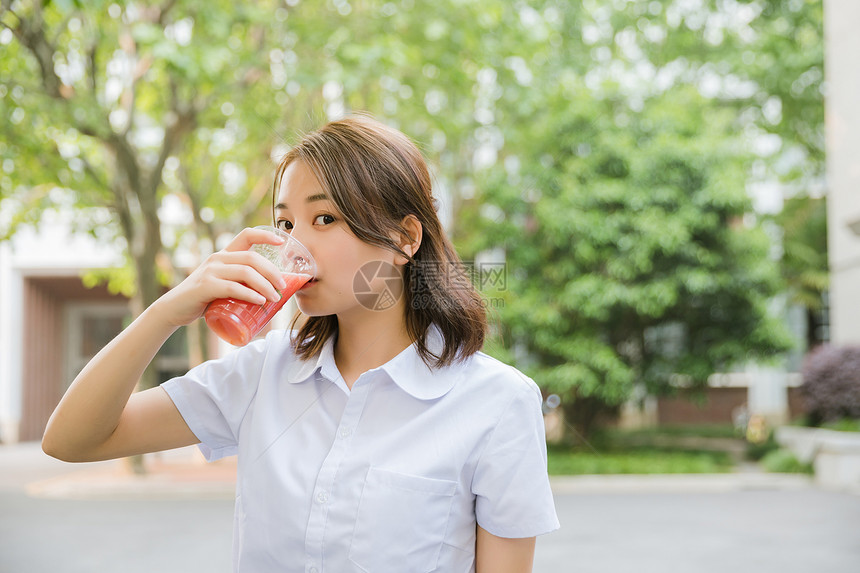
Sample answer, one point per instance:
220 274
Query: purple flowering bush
831 384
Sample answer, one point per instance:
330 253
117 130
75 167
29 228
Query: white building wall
50 250
10 346
842 46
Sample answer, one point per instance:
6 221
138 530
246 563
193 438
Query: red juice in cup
238 321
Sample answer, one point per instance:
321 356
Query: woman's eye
324 220
284 225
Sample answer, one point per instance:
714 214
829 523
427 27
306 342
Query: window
91 326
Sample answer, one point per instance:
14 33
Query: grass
703 431
566 461
843 425
661 450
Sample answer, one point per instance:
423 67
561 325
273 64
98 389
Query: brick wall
715 407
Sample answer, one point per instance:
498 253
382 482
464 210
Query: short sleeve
214 397
511 485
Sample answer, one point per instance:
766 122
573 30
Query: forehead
298 183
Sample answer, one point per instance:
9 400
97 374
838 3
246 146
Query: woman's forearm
91 408
95 419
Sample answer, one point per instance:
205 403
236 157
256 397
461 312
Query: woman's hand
234 272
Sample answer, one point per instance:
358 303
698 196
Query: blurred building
44 306
842 44
51 324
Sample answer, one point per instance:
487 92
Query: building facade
842 120
51 324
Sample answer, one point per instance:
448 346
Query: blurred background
640 188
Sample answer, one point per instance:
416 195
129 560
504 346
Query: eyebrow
310 199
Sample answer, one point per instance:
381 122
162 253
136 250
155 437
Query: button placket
316 528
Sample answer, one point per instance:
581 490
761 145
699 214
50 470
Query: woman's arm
503 555
99 418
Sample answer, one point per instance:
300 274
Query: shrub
783 461
831 384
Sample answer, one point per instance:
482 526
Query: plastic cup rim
288 238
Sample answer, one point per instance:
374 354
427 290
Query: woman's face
304 210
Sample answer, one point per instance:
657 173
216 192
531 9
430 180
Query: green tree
635 260
804 266
765 59
102 102
593 128
134 107
786 62
629 260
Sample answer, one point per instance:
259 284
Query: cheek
340 261
339 266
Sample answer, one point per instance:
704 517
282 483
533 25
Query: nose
301 236
304 238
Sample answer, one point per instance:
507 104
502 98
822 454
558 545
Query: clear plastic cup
239 321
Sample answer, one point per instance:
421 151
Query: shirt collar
410 372
303 370
407 369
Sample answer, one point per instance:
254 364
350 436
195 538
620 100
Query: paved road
640 526
119 536
794 531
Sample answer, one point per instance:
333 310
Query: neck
368 341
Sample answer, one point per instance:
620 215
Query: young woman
375 437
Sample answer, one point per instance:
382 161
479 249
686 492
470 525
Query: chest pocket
401 522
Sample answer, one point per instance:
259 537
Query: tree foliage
157 123
606 146
636 259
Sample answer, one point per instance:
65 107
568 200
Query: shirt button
313 570
322 497
345 432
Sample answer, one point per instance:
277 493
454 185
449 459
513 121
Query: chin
310 310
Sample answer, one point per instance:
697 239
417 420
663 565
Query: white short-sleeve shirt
391 476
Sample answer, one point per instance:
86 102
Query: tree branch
186 120
93 67
125 156
164 10
6 6
90 170
196 204
31 34
255 197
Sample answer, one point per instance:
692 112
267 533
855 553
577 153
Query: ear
411 240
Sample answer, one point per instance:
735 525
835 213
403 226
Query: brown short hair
376 176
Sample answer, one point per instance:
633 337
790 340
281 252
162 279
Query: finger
250 236
251 278
236 290
258 262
